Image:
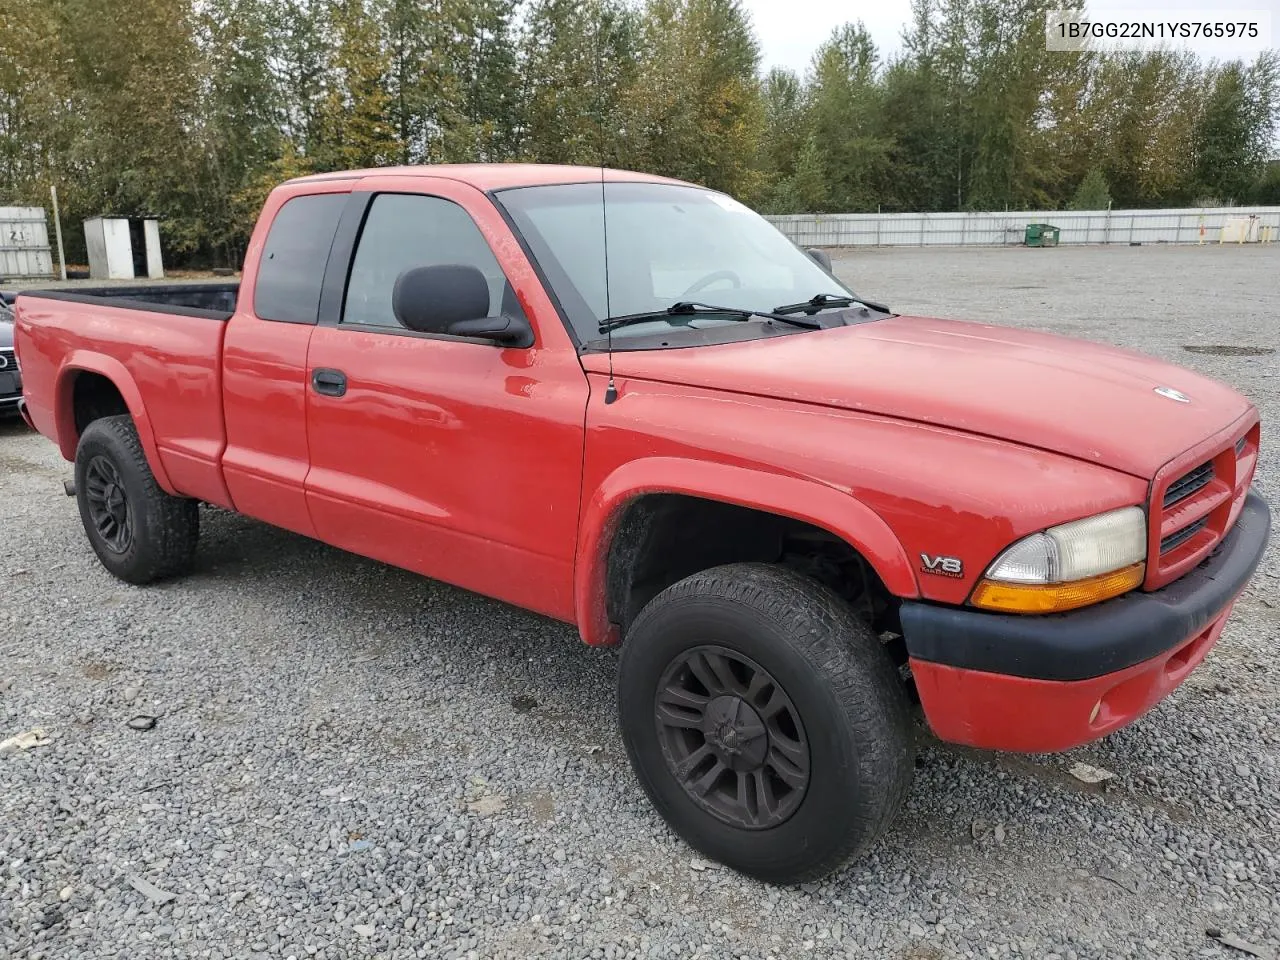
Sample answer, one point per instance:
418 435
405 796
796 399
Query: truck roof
497 176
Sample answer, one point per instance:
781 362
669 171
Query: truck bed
158 346
209 298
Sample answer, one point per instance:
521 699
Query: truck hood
1086 400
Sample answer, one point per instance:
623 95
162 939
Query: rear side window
291 271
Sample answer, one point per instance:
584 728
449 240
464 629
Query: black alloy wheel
732 737
108 504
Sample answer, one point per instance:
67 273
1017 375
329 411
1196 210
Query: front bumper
1047 683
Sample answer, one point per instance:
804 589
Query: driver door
457 458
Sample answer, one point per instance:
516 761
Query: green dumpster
1041 235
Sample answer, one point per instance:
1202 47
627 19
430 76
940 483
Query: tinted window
405 231
292 266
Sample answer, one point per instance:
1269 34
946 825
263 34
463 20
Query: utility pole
57 230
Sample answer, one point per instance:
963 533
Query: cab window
403 231
291 270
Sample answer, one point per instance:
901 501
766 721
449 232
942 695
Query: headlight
1068 566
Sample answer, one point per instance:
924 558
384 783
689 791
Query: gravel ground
351 761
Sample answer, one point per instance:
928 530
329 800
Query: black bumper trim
1096 640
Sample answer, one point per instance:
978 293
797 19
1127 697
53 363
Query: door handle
332 383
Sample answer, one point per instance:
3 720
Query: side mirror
820 258
504 329
453 299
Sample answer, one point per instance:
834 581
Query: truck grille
1183 535
1199 498
10 381
1186 485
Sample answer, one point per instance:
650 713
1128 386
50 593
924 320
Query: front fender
88 361
826 507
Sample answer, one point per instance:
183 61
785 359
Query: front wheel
765 721
139 532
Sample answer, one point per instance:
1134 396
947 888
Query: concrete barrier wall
1190 225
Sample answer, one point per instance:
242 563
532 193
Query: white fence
24 243
1191 225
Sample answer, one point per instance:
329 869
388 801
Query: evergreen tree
485 68
576 60
846 120
785 137
1092 194
407 27
354 120
693 110
242 115
298 56
920 121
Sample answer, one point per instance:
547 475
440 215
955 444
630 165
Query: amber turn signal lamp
1056 597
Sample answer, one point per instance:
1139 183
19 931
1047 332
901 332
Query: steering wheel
711 278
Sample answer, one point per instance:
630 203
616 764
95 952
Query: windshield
666 244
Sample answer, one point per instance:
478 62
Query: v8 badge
942 566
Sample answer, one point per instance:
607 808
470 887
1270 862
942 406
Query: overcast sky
790 30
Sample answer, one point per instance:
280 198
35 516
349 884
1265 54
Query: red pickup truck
631 404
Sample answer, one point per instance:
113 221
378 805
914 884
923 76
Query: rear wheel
139 532
765 721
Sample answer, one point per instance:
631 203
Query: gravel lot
351 761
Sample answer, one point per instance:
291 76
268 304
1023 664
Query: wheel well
663 538
93 397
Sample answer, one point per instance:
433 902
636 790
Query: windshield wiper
686 308
825 301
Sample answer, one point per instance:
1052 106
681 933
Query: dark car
10 380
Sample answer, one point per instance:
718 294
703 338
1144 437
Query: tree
484 64
693 109
1267 190
1142 107
354 121
1066 136
298 55
786 134
408 32
238 133
1011 167
846 117
193 109
576 60
1092 194
135 94
1234 132
36 131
